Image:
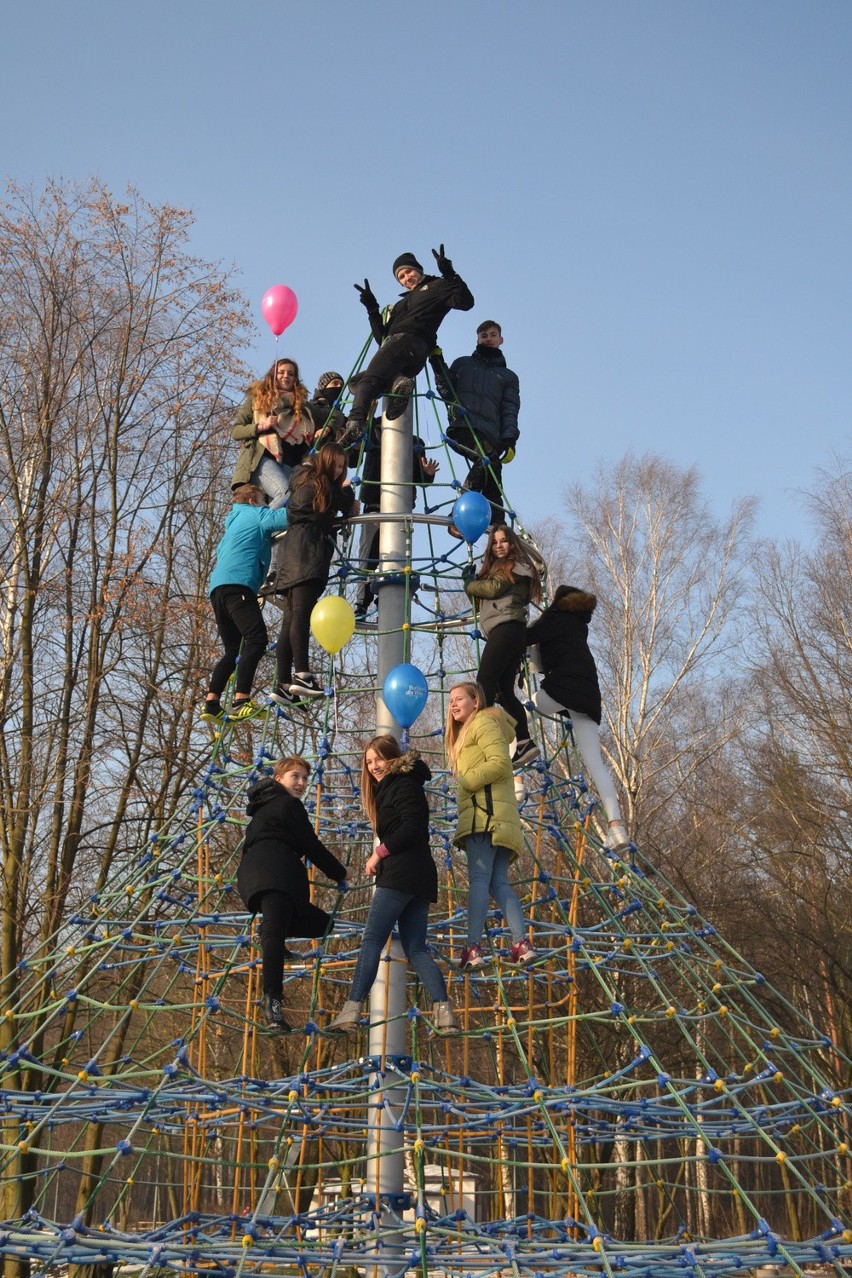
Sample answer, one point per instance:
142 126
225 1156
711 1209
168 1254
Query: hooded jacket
278 840
402 825
570 674
501 599
295 438
490 394
243 554
485 786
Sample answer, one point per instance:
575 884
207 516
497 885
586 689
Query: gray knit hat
325 378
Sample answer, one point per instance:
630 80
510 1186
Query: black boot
400 394
274 1013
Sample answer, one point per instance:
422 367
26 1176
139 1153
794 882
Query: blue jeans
411 914
274 479
488 875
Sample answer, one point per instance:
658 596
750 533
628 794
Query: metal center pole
385 1155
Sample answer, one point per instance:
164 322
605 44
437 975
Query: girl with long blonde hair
489 827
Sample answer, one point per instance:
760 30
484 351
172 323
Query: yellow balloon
332 623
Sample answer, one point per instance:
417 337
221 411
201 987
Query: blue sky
653 197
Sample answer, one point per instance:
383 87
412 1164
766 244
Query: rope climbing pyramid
637 1100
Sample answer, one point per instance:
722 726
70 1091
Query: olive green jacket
500 600
295 438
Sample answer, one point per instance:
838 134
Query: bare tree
116 350
671 582
801 763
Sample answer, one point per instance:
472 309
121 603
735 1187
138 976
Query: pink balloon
279 307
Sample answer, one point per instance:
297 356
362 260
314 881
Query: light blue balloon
405 692
472 515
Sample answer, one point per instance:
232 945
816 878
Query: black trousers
403 355
239 621
483 476
292 648
498 671
278 921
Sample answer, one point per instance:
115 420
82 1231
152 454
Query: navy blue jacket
490 393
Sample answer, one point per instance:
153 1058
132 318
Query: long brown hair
386 747
455 732
518 554
265 395
319 470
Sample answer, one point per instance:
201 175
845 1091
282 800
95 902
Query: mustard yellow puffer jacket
485 787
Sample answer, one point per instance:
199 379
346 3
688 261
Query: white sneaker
616 839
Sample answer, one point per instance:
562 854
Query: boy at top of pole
406 334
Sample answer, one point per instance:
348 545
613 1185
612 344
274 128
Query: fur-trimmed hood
407 764
576 600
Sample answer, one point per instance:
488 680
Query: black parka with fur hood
570 674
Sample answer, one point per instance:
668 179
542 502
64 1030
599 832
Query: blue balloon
405 692
472 515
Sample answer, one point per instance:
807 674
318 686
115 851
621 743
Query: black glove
366 296
445 266
468 572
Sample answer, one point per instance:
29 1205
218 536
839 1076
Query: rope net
638 1099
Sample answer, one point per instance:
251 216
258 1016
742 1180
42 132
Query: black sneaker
303 688
401 393
525 752
274 1014
212 716
282 696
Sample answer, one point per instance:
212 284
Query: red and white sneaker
472 957
522 952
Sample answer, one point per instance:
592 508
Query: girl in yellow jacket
489 827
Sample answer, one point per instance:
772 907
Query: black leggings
239 621
498 670
279 920
292 647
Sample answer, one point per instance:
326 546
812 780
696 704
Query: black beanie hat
325 378
406 259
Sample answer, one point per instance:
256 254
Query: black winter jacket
305 553
490 393
570 674
402 824
420 311
278 839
